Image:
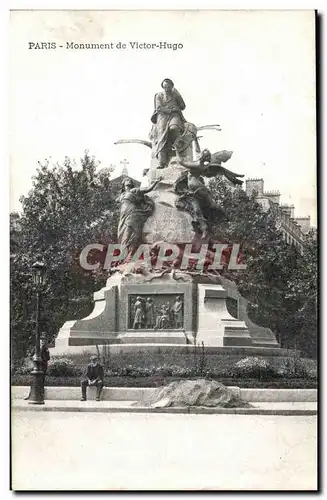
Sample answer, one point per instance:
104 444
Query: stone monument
166 298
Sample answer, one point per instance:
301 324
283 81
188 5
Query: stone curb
181 410
136 394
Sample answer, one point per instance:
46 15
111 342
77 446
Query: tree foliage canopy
279 282
68 207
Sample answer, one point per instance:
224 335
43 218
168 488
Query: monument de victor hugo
164 283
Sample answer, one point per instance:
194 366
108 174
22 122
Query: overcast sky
251 72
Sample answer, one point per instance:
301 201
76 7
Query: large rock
201 392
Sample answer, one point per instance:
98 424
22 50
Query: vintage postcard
163 250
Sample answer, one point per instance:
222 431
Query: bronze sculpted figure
135 208
149 313
171 136
210 165
164 319
168 122
156 313
194 196
138 314
177 310
182 143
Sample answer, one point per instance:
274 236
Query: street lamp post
37 386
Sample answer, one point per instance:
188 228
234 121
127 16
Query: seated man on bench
94 376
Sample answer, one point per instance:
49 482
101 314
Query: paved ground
102 451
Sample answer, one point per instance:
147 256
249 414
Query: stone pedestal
153 337
99 327
216 327
261 336
205 317
112 320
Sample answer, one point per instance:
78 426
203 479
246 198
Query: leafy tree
279 282
302 291
68 208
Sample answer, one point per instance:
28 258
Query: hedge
216 367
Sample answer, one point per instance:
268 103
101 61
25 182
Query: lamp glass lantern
38 273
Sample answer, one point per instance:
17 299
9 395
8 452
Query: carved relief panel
156 312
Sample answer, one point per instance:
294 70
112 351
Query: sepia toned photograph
163 250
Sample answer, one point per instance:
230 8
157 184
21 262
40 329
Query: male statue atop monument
168 122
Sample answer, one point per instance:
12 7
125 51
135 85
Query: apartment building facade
293 228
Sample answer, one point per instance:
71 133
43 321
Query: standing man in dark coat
45 357
94 375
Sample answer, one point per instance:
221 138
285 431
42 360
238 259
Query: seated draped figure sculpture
168 122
